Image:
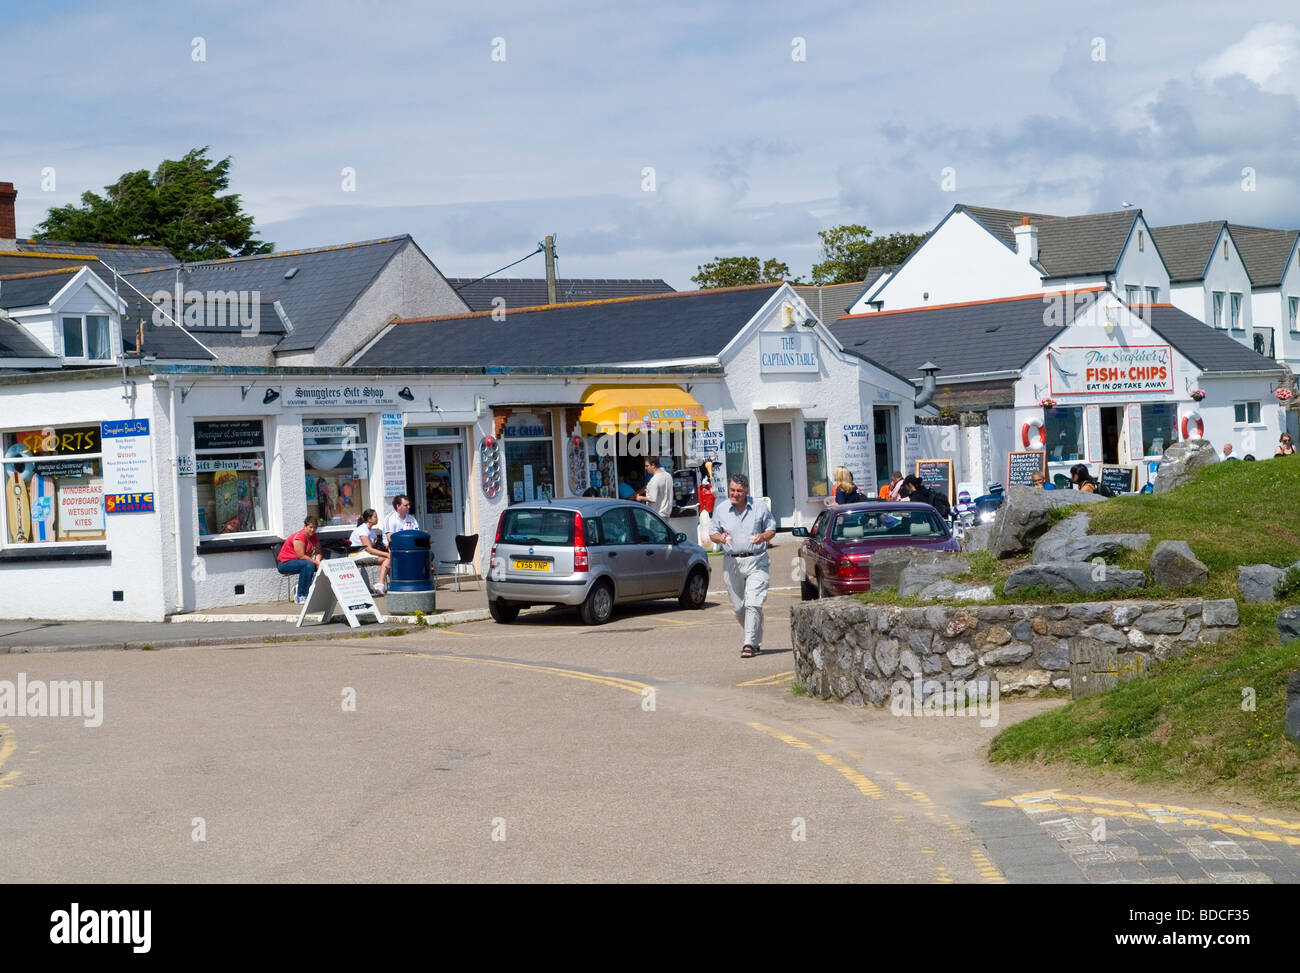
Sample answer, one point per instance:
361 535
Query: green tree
848 252
178 206
735 271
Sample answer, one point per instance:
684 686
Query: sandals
749 651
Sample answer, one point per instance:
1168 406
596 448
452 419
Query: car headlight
987 516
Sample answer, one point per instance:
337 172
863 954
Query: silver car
592 553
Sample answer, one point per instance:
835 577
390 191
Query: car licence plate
524 564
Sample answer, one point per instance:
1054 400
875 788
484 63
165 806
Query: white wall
1270 309
1141 266
1228 276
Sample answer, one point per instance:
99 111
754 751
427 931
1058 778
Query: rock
1173 564
1023 517
1006 655
888 564
976 538
1125 614
961 621
1182 461
1085 578
1023 631
919 642
908 664
1288 624
1221 611
961 654
1292 724
1021 680
1061 684
1057 657
995 635
932 664
1088 612
1258 582
1165 621
914 577
957 591
887 656
1069 540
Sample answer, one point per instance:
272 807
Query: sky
652 138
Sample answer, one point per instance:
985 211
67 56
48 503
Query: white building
1208 277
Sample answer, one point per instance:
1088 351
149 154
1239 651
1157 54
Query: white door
778 471
440 501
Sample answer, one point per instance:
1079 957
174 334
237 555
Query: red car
836 554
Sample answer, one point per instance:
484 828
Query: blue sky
1032 107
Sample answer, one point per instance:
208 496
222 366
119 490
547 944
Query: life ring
1193 420
28 469
1031 434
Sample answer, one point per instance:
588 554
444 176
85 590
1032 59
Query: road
646 750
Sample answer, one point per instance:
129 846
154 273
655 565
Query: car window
650 529
863 524
537 527
615 527
819 524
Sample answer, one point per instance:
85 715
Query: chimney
1027 239
8 227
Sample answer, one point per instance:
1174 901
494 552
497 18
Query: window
1133 294
614 528
650 529
1157 428
1153 295
87 337
1063 434
337 469
814 445
736 435
861 524
230 476
553 527
1218 309
529 457
54 485
1236 312
1293 312
1245 412
1142 243
1225 249
819 524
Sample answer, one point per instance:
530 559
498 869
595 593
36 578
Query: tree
848 253
177 207
736 271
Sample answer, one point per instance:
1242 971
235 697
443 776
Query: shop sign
792 352
392 443
128 467
1110 370
128 503
525 424
210 464
229 434
64 468
859 454
707 445
330 433
346 396
60 442
81 508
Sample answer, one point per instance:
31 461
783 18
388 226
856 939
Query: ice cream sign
1110 369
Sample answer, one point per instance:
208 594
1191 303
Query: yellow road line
452 631
783 737
614 682
986 869
854 754
863 783
815 735
773 680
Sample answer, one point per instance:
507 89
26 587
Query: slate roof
980 337
12 262
33 289
688 324
17 343
1068 246
531 292
123 257
868 283
829 301
1187 248
1264 251
328 282
166 342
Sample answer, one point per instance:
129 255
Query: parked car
835 555
592 553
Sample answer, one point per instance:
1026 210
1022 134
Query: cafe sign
1110 370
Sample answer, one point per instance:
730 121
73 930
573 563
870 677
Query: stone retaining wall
846 650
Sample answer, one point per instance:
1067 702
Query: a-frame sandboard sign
339 581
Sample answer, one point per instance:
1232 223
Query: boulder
1292 724
1023 517
1288 624
1066 576
1182 461
916 577
957 590
1021 680
1258 582
976 538
1069 540
1173 564
1221 611
888 564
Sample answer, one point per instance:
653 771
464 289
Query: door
619 553
440 497
1111 417
882 425
778 470
654 554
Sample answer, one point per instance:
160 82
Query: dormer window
86 337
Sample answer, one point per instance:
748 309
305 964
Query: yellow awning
627 409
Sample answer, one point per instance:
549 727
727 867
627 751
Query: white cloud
1269 56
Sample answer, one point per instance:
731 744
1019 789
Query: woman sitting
301 555
1082 478
1284 446
846 490
365 543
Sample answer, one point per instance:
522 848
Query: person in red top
706 498
301 555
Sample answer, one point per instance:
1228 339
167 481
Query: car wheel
807 590
503 611
598 607
696 590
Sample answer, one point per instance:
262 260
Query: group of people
1284 448
910 488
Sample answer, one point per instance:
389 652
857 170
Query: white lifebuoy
1031 434
1193 419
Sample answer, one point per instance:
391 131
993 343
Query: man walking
744 527
658 488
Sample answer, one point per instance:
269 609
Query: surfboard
40 493
18 509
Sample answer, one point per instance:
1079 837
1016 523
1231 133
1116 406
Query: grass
798 689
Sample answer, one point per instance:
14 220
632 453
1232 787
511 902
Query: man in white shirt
658 488
399 519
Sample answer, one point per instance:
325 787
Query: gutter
179 605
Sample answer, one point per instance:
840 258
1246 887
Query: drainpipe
179 605
924 396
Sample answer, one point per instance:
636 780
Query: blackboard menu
1119 479
936 474
1021 466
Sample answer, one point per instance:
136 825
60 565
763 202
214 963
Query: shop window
54 485
1293 312
230 476
530 456
1236 312
336 458
1063 432
814 445
1218 309
736 435
1245 412
86 337
1157 428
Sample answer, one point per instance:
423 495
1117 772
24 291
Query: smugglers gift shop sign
1111 370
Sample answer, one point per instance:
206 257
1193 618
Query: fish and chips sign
1111 370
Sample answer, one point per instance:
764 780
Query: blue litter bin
410 561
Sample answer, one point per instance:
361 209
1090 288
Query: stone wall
850 651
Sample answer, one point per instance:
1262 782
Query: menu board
1092 432
1135 439
936 474
1119 479
1022 465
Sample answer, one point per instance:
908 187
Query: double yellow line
776 679
614 682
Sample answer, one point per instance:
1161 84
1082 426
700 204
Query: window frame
1237 320
12 463
361 444
824 481
1245 406
214 451
1217 300
83 318
1153 295
1293 312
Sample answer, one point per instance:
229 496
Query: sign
1136 449
63 468
707 445
330 433
346 396
209 464
936 474
859 455
787 351
128 503
81 509
339 581
229 434
525 424
1092 432
60 442
911 445
1120 479
185 466
128 467
1110 370
1021 466
392 443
